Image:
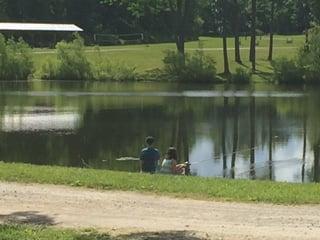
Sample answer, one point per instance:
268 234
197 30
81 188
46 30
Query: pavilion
38 34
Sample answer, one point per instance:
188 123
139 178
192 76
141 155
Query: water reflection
253 134
40 121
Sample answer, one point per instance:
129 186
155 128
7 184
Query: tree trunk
183 10
236 33
225 45
252 137
225 56
180 28
180 44
270 57
237 49
253 36
235 136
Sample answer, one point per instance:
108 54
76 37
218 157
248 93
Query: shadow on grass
267 76
30 218
93 236
167 235
243 65
17 232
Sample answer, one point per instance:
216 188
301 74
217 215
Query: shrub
241 76
15 59
73 64
191 67
106 70
49 71
287 71
309 57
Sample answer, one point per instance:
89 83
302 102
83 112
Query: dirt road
132 212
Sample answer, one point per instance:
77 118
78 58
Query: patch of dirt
138 216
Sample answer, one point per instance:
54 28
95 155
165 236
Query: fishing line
285 163
226 155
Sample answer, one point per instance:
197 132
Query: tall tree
315 9
180 12
304 18
253 34
183 11
237 24
273 3
224 37
220 11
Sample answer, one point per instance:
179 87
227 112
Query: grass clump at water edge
241 76
178 186
192 67
287 71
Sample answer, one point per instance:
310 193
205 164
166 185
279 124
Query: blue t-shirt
149 158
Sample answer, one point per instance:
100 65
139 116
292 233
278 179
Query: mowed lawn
149 56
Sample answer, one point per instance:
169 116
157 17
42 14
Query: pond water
256 132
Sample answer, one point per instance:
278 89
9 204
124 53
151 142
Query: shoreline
198 188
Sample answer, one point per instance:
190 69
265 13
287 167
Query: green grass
147 57
29 232
178 186
20 232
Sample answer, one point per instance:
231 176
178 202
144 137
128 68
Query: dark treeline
162 19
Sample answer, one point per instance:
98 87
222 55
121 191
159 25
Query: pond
249 132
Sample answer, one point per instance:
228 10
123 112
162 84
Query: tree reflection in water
257 134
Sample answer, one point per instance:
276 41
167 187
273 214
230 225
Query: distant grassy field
183 187
146 57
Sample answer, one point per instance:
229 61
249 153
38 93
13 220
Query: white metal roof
39 27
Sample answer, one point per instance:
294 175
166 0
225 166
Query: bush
15 59
287 71
105 70
309 57
71 63
196 67
241 76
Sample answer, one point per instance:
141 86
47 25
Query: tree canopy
158 18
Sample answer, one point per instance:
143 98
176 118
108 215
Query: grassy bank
184 187
22 232
18 232
147 57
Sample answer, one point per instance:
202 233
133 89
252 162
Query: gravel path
126 212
